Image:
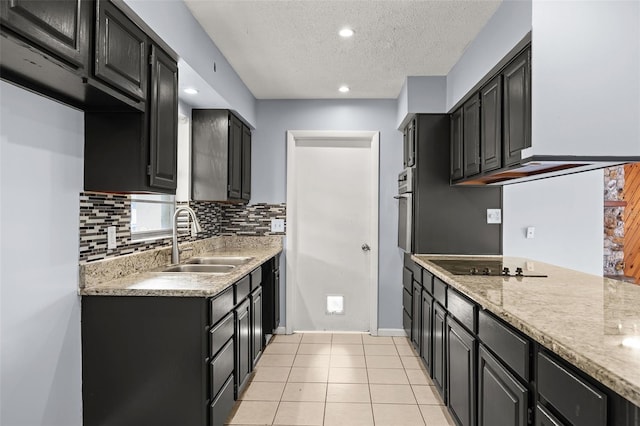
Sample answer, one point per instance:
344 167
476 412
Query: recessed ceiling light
344 89
346 32
191 91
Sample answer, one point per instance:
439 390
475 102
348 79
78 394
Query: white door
332 208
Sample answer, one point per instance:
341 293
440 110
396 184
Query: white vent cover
335 304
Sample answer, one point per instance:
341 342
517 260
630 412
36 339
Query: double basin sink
217 265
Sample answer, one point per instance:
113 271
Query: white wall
508 25
174 23
586 78
41 165
269 171
568 215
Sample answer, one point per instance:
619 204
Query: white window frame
164 199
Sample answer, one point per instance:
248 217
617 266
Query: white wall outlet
111 238
531 232
277 225
494 215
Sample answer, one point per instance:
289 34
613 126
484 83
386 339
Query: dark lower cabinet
440 350
461 373
257 338
545 418
271 296
427 332
243 345
416 316
502 399
222 404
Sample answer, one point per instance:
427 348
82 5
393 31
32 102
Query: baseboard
391 332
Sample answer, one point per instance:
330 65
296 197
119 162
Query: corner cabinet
221 156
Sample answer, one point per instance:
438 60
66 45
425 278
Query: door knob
365 247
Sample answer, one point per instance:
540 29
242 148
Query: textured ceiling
291 49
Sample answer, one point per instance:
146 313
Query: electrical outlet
494 216
111 238
531 232
277 225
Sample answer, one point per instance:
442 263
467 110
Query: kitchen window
151 216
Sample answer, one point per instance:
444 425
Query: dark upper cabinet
517 108
439 350
502 399
471 136
491 125
163 123
220 164
235 157
143 145
457 145
461 377
246 164
409 139
60 27
121 52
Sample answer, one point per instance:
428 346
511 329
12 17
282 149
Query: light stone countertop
581 317
140 274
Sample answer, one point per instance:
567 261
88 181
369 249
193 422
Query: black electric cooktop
486 267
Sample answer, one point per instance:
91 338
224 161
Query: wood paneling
632 221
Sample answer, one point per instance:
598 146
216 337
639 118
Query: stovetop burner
485 267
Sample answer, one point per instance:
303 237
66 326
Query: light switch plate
531 232
111 238
277 225
494 215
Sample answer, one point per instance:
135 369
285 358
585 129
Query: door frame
373 137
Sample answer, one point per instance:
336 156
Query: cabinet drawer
440 291
406 300
408 263
407 278
427 281
221 305
545 418
221 333
417 272
574 398
221 367
256 278
511 347
462 309
243 288
222 405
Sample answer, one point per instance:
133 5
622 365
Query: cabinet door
256 325
427 333
410 145
502 399
121 56
243 345
491 124
235 157
61 27
439 350
163 121
457 160
416 316
461 373
545 418
246 163
471 136
517 108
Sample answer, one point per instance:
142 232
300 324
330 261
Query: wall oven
405 209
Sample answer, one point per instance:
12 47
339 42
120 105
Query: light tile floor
339 379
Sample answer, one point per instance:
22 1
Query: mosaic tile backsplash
99 211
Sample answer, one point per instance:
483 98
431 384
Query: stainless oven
405 209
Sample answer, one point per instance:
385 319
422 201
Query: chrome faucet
175 252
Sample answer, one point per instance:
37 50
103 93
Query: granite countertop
141 274
581 317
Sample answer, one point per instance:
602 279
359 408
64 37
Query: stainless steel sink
219 260
211 269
